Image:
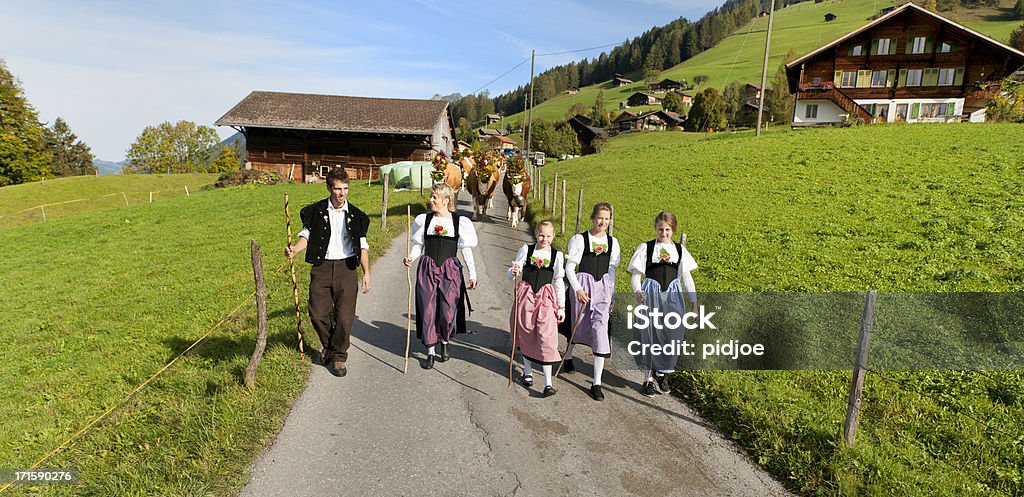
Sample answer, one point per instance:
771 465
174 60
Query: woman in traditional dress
540 304
590 269
441 297
656 270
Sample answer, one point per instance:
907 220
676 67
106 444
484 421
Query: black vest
592 263
661 271
537 277
439 247
315 219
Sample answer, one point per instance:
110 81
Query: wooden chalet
908 65
655 120
573 90
585 133
491 118
618 81
305 135
501 142
640 98
667 85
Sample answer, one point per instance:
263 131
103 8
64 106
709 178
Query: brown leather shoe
338 368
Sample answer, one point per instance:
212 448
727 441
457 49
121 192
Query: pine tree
598 112
1017 38
71 157
23 154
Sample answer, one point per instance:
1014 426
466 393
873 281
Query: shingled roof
267 109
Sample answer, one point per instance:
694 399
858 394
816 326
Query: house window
857 50
946 77
914 77
882 111
878 79
883 46
934 110
812 111
849 79
945 47
901 111
919 44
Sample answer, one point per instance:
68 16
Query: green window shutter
837 79
958 76
874 47
929 42
910 45
892 46
950 107
915 110
874 109
890 78
849 51
930 77
903 78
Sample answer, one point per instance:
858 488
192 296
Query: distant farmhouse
573 90
655 120
639 98
667 85
585 133
491 118
306 135
618 81
908 65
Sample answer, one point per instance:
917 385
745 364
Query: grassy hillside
59 197
800 27
844 210
97 302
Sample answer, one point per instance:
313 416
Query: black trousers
333 287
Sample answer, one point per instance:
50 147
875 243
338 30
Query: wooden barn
910 65
306 135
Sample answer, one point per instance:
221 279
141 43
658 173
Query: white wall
828 113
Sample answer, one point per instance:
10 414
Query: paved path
458 429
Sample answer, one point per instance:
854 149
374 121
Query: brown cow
516 193
481 183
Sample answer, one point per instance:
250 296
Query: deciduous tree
23 153
183 147
708 112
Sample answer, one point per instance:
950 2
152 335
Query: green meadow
898 208
97 302
799 27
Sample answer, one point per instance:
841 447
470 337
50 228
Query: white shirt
638 266
467 237
576 255
556 280
339 244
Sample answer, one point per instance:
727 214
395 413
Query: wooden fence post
579 211
43 208
547 195
384 204
420 179
859 369
125 199
554 195
561 228
151 197
261 315
186 191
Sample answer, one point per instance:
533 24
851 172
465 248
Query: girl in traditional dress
540 304
656 270
440 284
590 269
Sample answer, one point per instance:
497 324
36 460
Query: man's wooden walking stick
291 265
515 314
408 277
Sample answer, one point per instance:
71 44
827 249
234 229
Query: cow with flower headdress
446 171
516 186
483 180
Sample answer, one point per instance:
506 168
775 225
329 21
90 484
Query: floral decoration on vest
440 230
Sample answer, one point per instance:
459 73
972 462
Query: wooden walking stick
568 345
291 265
515 314
408 277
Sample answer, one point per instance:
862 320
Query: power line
474 92
580 50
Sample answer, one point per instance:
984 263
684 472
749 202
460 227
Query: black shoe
663 384
527 381
337 369
648 389
444 352
325 358
595 392
549 391
429 363
567 366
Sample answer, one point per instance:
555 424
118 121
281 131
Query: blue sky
112 68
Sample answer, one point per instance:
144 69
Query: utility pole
764 69
529 114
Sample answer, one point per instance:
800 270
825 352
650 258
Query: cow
447 171
482 182
516 188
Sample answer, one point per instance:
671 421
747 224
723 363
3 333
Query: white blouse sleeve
687 264
637 267
520 261
467 233
467 255
417 236
615 259
559 282
575 255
